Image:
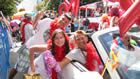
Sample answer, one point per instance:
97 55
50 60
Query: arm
37 17
64 62
37 48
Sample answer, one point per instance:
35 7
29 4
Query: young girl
58 46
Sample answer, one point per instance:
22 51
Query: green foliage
8 7
84 2
54 4
40 6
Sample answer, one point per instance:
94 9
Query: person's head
126 40
81 39
105 17
25 15
29 18
64 20
59 39
115 20
114 12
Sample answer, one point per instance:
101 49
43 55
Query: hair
79 32
29 18
66 49
25 15
114 12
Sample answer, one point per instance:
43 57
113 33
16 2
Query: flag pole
105 68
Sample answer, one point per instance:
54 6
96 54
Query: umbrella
20 15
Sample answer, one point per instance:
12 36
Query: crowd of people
50 35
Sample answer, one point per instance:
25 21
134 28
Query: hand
51 62
39 14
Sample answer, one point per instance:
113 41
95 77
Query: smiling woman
58 46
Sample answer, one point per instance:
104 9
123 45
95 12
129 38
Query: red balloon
73 5
76 7
61 6
138 21
125 4
129 17
67 3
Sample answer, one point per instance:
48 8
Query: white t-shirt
38 37
28 31
78 55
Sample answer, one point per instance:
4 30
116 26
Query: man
28 29
86 24
46 25
85 53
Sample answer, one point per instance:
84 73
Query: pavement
13 59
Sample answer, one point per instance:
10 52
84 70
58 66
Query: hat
67 15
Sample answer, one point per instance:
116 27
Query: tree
84 2
8 7
54 4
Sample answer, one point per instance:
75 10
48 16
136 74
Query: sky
29 5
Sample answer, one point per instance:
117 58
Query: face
63 21
81 41
126 40
59 39
116 20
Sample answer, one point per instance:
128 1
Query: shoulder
29 26
75 50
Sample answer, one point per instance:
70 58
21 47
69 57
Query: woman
59 48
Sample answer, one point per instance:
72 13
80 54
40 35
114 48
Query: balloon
63 5
129 17
67 2
73 5
138 21
125 4
76 7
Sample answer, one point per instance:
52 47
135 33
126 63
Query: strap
83 54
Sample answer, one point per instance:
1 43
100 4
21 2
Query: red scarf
23 31
91 54
54 26
59 51
59 55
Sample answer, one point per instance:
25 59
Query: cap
67 15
